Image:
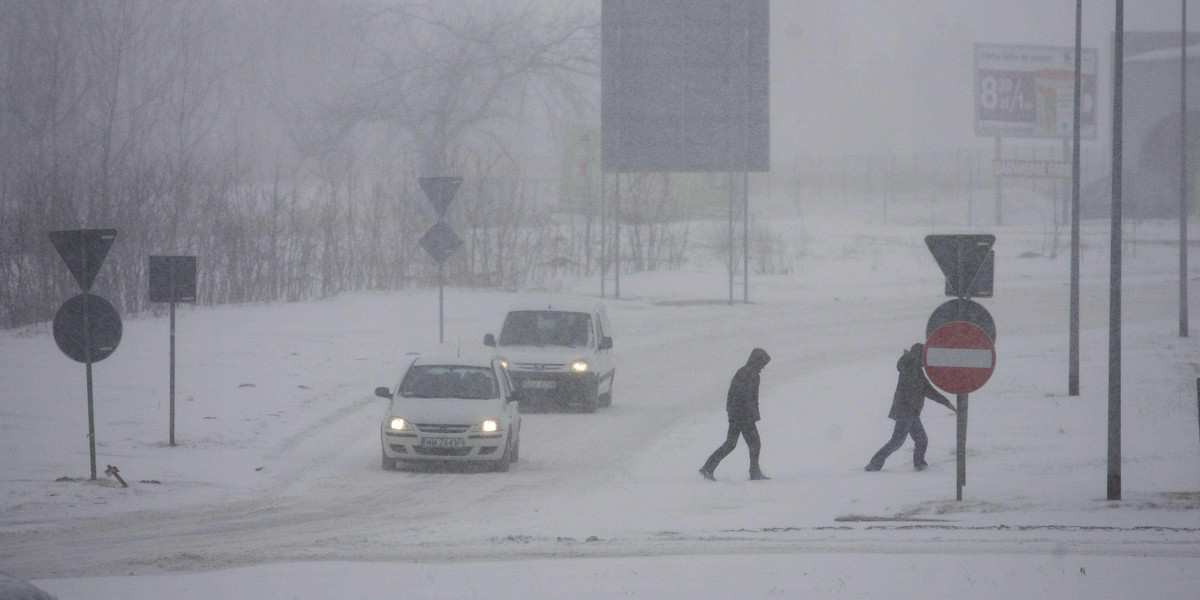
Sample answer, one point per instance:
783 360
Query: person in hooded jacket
912 388
742 406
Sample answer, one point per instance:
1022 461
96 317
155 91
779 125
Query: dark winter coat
742 402
912 388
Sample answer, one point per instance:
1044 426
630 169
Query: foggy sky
871 76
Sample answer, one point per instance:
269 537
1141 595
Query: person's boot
710 465
756 474
921 466
876 462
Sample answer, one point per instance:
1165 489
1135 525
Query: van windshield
437 381
547 328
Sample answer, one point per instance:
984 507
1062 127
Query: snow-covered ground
274 489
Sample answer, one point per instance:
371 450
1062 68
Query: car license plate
442 442
538 384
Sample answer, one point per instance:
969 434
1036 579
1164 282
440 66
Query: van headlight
579 366
398 424
489 426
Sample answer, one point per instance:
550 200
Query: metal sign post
1077 111
960 353
1183 173
960 446
960 358
1114 287
172 279
86 328
87 361
440 241
171 435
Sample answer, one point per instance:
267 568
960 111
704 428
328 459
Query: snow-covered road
278 456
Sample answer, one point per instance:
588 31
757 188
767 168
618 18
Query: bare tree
280 142
449 76
191 100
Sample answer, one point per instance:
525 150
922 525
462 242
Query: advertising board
1029 91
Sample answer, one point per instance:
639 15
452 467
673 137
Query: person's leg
750 432
899 434
920 443
731 438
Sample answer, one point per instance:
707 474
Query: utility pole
1073 358
1114 305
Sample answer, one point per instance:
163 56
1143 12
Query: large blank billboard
684 86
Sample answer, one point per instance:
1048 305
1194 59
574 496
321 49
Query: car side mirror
516 396
605 343
383 392
489 340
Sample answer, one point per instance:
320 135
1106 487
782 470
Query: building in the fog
1151 125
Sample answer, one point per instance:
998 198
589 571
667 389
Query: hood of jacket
915 353
758 359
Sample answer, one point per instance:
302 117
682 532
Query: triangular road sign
84 251
960 257
440 191
980 285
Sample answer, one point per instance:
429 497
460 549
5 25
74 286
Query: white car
452 409
558 351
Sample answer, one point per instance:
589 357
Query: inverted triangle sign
440 191
960 258
84 251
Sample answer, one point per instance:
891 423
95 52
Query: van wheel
388 464
606 399
516 451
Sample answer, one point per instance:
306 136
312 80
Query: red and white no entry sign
959 357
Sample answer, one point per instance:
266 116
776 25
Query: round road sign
959 357
103 325
961 309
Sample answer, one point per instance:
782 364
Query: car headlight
579 366
398 424
490 426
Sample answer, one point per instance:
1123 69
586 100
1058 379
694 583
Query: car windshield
438 381
546 328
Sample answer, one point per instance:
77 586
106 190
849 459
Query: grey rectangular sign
172 278
684 86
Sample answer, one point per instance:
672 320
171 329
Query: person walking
912 388
742 406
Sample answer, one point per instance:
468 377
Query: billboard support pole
746 237
617 239
604 230
999 191
441 297
732 192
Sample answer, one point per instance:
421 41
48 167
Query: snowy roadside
277 465
743 576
